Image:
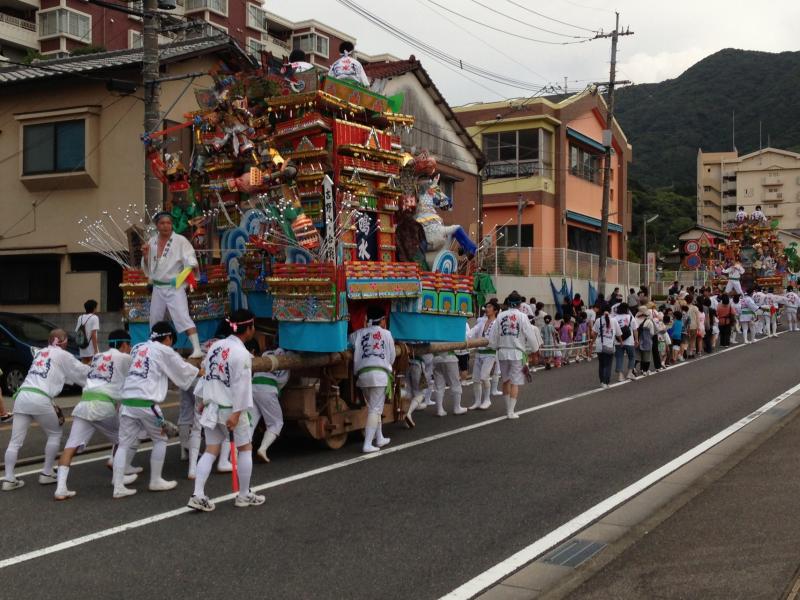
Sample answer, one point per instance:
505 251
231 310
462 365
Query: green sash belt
33 390
96 396
487 351
389 385
262 380
158 283
138 403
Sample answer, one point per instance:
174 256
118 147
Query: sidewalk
728 527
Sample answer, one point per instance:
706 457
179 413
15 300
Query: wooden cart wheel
335 442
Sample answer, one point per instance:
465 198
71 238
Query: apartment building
543 174
768 177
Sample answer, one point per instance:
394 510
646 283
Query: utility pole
153 190
607 142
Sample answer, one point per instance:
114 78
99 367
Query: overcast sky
668 37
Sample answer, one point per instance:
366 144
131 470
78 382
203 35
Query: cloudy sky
668 37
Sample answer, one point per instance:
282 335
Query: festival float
304 207
753 242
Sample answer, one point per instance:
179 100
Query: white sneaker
200 503
196 354
430 403
631 376
369 449
129 479
12 485
497 393
466 382
133 470
162 485
383 442
485 405
45 479
250 499
226 468
604 385
122 492
459 410
620 377
64 495
442 413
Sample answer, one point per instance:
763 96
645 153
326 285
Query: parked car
20 336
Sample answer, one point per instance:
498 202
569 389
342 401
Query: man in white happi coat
485 359
373 361
97 409
347 67
227 391
747 317
420 369
734 273
51 369
792 303
154 364
267 388
166 256
511 336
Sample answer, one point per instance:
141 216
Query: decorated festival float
752 242
304 206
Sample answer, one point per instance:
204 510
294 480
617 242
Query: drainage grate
573 553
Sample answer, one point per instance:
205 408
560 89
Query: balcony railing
773 196
29 25
771 180
278 42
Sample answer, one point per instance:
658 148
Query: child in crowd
549 341
582 337
676 335
565 334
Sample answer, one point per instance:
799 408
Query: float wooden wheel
335 442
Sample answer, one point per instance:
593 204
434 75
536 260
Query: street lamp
644 247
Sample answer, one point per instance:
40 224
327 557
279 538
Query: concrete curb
630 522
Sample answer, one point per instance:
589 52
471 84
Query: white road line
20 558
501 570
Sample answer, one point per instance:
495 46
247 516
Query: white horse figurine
438 235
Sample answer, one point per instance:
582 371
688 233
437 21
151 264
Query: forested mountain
667 122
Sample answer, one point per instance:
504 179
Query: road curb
616 531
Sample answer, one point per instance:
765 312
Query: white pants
82 431
19 431
747 328
791 318
482 366
266 403
733 285
135 420
375 398
770 323
446 373
216 436
167 297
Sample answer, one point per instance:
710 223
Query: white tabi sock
244 467
495 383
438 396
204 466
120 460
224 457
51 449
487 399
61 483
183 436
11 461
157 460
477 392
195 340
266 442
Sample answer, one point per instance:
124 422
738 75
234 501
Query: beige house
69 148
769 178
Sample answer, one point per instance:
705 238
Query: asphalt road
416 522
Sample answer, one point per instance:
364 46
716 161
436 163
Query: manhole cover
573 553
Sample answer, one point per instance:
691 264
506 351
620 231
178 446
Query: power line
530 10
516 20
435 52
503 31
480 39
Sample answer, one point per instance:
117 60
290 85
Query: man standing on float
168 254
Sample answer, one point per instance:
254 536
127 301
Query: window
217 6
584 240
256 17
64 21
53 147
507 236
706 188
30 279
255 46
585 164
311 42
134 39
512 153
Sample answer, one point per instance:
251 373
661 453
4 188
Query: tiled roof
385 70
89 63
382 70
